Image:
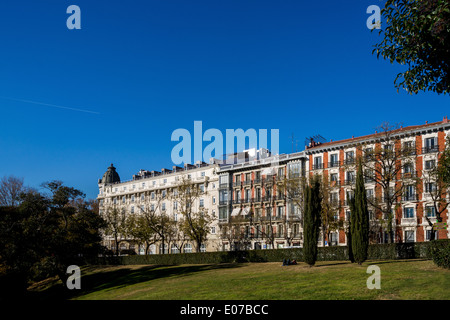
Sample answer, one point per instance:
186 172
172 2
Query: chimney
445 120
426 122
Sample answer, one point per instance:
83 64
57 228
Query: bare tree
196 220
10 190
116 225
389 165
437 187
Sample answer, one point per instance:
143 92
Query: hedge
440 253
423 250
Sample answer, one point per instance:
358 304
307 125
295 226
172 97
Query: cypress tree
359 219
312 210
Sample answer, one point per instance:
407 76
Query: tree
140 230
115 225
46 233
196 220
10 190
311 227
437 183
389 166
359 219
330 208
418 35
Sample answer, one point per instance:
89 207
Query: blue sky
145 68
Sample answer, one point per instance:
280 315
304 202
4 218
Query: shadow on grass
118 278
395 261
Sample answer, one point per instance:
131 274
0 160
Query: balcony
430 149
409 222
349 182
281 178
247 182
349 161
268 181
238 201
317 166
224 202
410 197
409 175
237 184
257 181
334 164
223 186
335 183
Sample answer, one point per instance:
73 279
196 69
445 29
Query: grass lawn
336 280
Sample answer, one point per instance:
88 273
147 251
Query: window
317 162
347 215
334 177
371 215
152 207
280 211
408 213
223 213
202 174
202 247
143 184
409 236
164 193
187 248
214 200
430 164
334 162
430 211
175 217
202 203
123 199
350 176
350 157
247 195
368 154
202 188
430 145
163 206
154 183
410 194
334 198
115 201
152 196
174 249
142 197
142 208
430 187
428 236
132 198
132 209
369 193
134 186
175 205
408 169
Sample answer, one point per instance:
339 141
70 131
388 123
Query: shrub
440 252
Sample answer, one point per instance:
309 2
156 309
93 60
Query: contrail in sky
51 105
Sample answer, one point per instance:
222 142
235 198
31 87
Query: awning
235 212
245 211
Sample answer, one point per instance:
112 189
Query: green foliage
440 252
359 227
418 35
45 234
312 214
